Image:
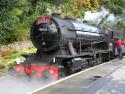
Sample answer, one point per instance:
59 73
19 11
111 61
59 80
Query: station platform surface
107 78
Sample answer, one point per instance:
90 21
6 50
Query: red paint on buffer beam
40 71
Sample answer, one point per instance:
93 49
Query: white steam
13 83
96 17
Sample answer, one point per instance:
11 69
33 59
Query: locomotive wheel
70 71
62 73
91 63
68 67
46 74
27 66
84 65
98 59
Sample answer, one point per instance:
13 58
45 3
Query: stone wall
15 46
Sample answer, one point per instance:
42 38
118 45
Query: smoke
96 17
16 84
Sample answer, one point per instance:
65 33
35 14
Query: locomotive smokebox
44 34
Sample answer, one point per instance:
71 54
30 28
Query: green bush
17 16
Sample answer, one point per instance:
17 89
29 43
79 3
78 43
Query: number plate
42 29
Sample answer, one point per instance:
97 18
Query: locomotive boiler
65 46
48 33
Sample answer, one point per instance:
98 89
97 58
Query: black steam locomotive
65 46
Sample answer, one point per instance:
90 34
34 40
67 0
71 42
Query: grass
7 61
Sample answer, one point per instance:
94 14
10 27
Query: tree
7 20
115 6
16 17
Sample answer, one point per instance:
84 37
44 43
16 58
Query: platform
108 78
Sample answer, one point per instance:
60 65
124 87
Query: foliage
9 59
120 25
17 54
7 5
115 6
76 8
16 16
89 4
69 9
8 19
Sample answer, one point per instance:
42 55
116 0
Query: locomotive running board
85 55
